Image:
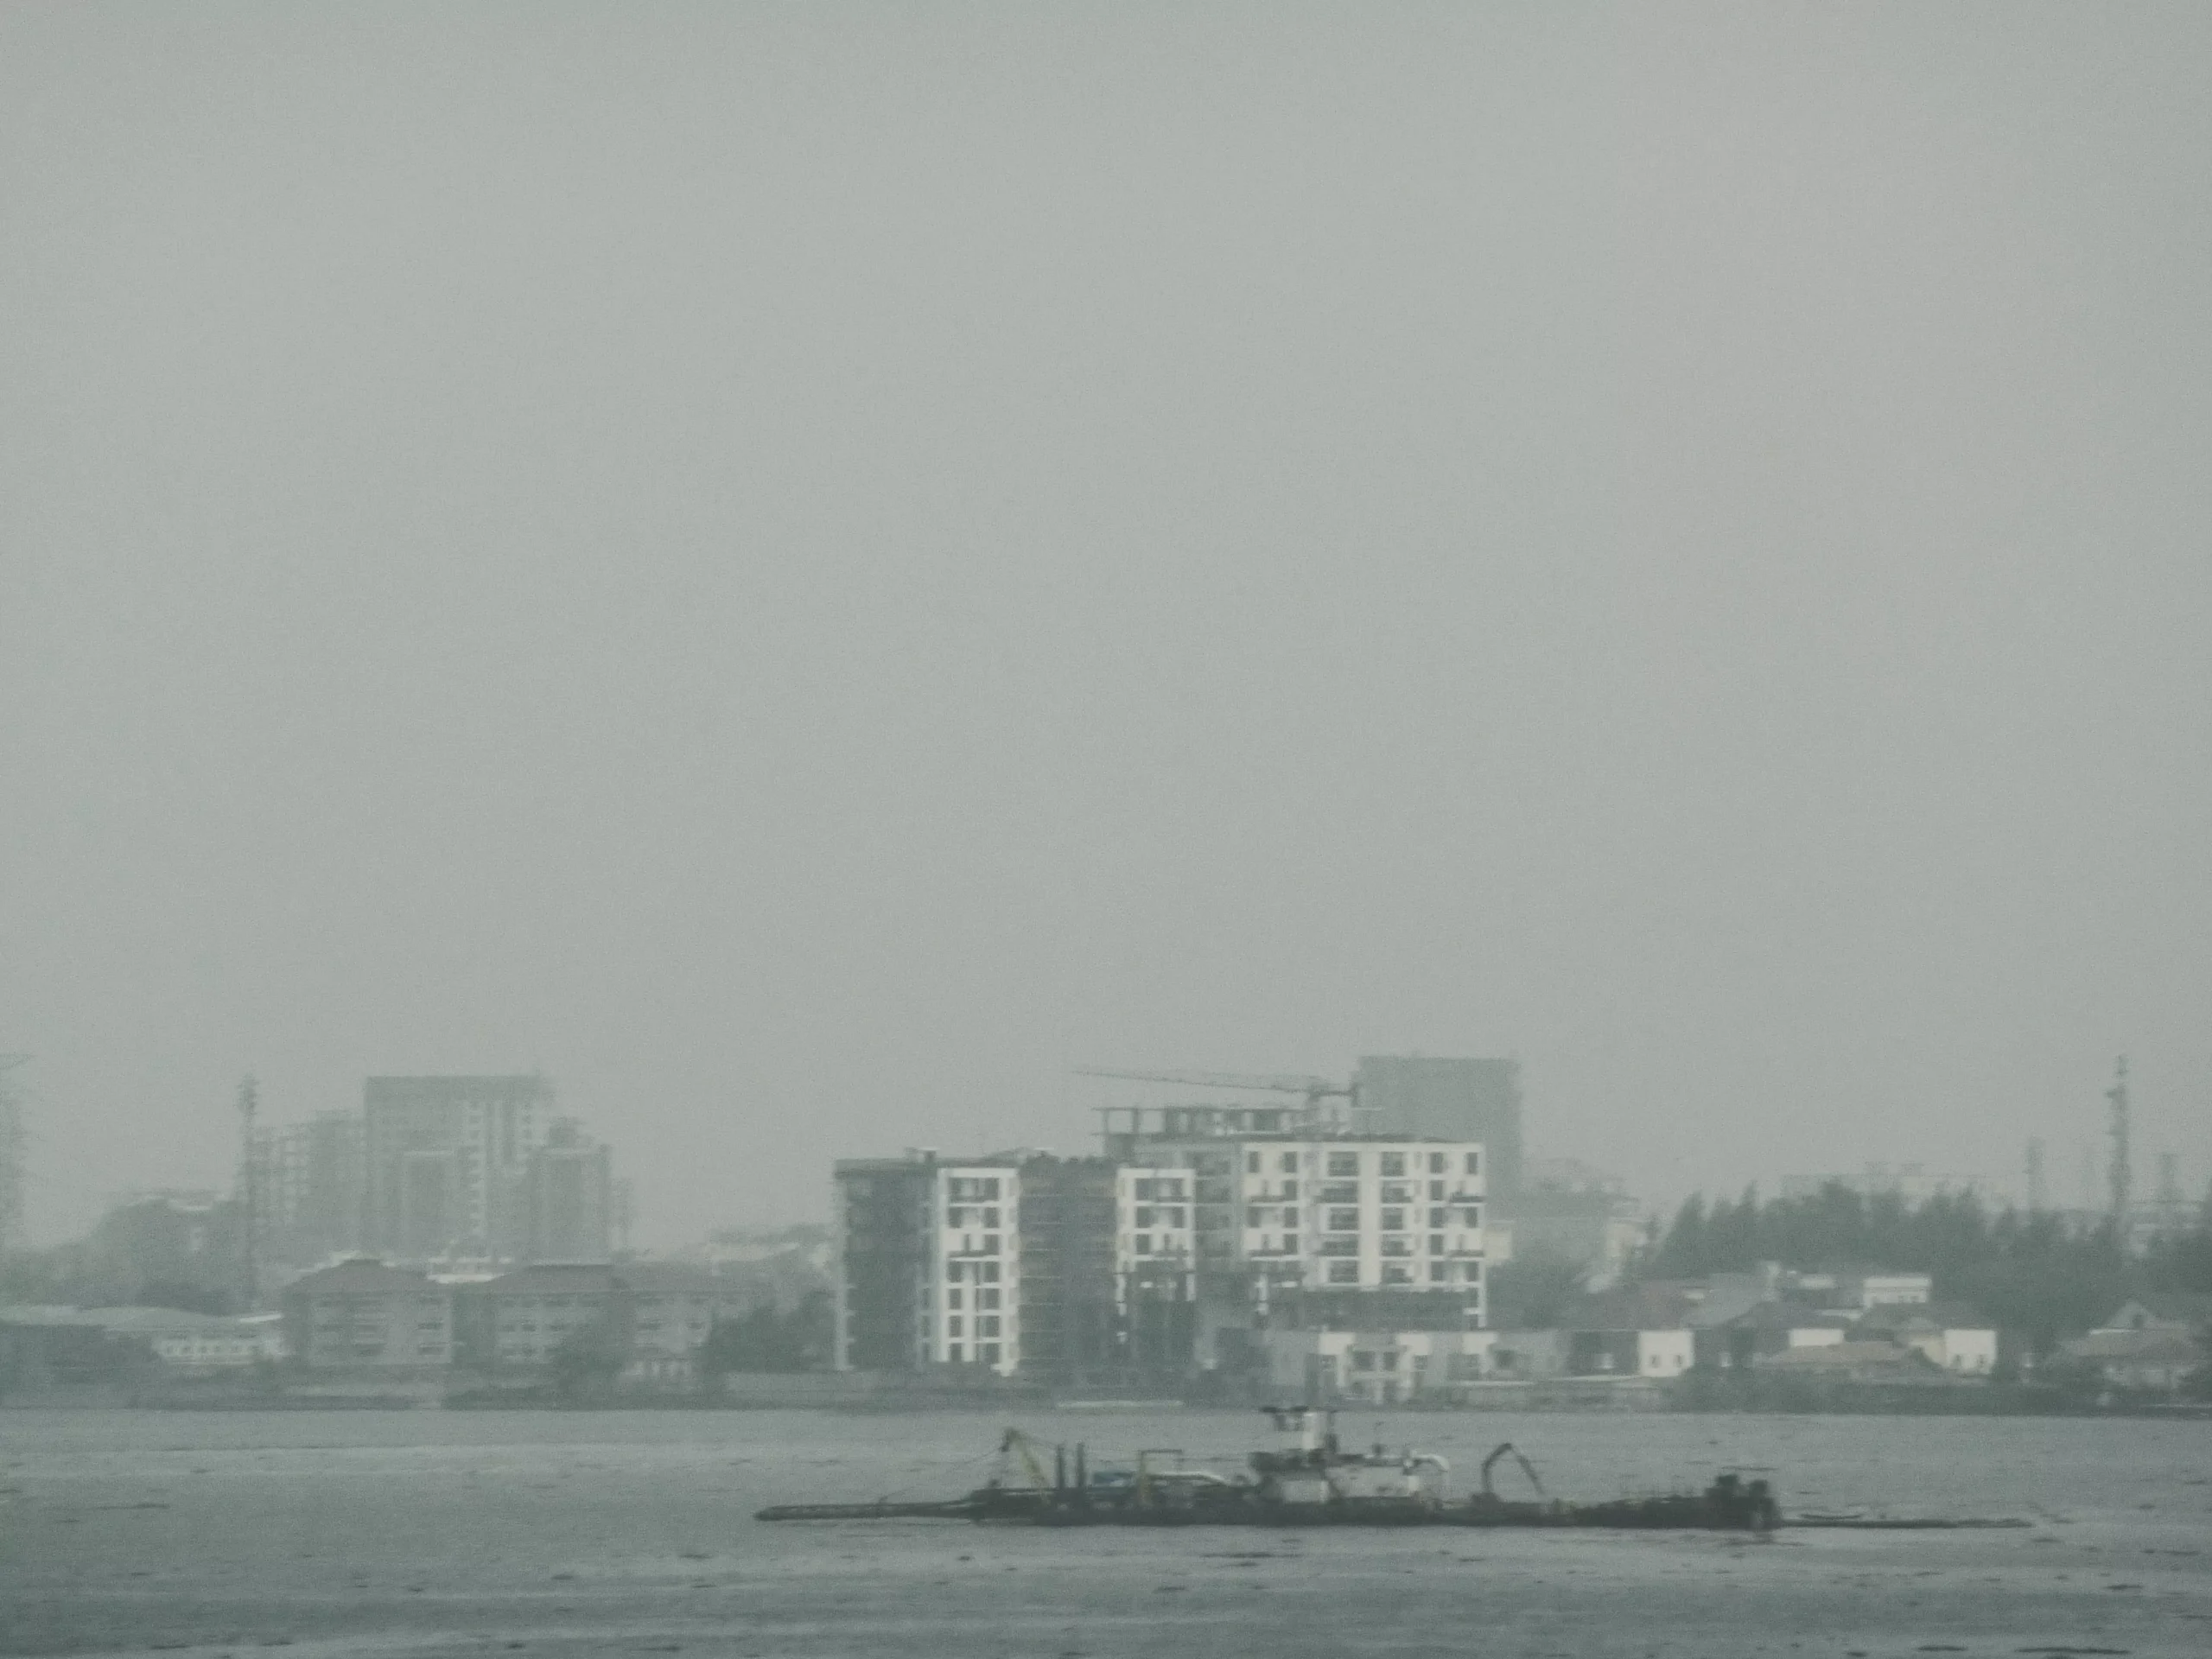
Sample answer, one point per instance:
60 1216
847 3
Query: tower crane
1316 1090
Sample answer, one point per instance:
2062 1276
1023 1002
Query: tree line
2045 1276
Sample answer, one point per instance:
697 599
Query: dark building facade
569 1200
1447 1099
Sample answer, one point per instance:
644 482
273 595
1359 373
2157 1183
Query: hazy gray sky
802 569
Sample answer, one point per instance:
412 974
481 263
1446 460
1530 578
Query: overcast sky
803 569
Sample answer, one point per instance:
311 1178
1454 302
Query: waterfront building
1381 1368
364 1314
928 1269
1200 1228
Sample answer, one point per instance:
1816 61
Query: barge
1310 1480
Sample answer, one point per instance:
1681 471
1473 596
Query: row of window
986 1325
1341 1271
987 1353
1389 1165
1154 1189
972 1216
988 1297
980 1273
1171 1215
1347 1220
972 1189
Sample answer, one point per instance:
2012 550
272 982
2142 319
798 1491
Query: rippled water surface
432 1533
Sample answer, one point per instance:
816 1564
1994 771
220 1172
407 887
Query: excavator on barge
1310 1480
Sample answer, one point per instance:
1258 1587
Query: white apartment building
1155 1229
971 1312
930 1252
1344 1212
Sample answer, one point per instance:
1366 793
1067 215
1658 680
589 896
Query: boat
1311 1479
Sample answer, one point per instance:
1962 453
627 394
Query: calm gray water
428 1533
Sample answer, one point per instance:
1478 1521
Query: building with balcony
1200 1230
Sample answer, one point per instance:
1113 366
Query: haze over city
805 574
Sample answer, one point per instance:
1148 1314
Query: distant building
1566 1209
672 1312
2156 1359
1852 1362
1199 1229
1659 1354
1949 1335
2186 1313
929 1263
313 1178
447 1159
654 1316
193 1343
569 1199
178 1245
1381 1368
364 1314
1912 1183
1639 1332
1444 1099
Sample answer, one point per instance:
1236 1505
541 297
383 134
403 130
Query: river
453 1532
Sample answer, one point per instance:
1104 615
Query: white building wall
1887 1289
1664 1353
1155 1225
1969 1353
1405 1215
972 1312
1814 1336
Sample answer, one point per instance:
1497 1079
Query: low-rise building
2185 1313
1951 1337
363 1313
1735 1338
1629 1353
193 1342
2151 1361
1642 1330
521 1318
654 1316
1527 1355
1874 1288
1875 1360
1378 1367
673 1308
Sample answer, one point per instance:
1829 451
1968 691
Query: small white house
1665 1353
